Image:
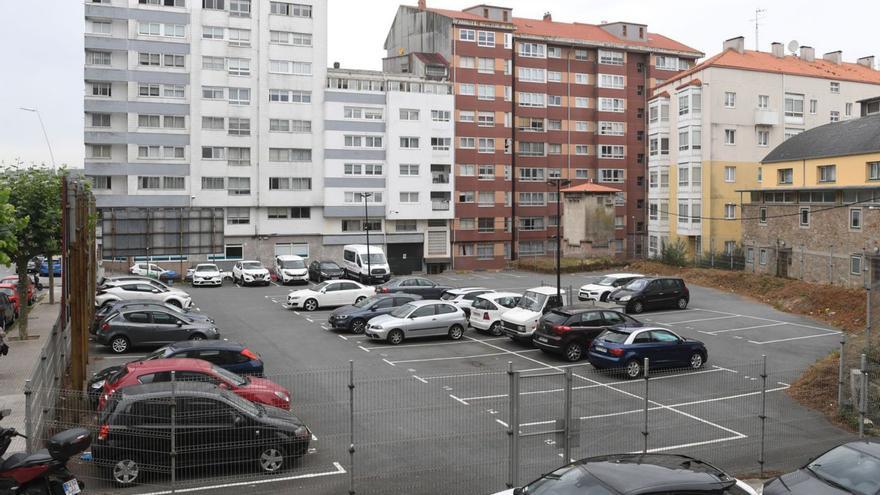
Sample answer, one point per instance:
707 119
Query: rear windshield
613 336
556 318
483 303
448 296
568 480
637 284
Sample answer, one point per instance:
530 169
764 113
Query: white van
354 263
291 268
520 322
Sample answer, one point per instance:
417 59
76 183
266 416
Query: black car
849 468
112 307
213 429
637 473
354 318
652 293
570 330
320 271
7 311
424 287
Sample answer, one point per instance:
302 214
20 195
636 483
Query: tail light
486 316
104 432
105 326
383 290
616 352
561 329
249 354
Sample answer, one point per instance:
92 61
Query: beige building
588 220
709 128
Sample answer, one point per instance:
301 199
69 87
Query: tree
8 227
35 194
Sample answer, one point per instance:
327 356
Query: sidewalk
16 367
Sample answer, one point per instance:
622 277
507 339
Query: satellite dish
793 46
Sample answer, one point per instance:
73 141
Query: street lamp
367 195
45 135
559 183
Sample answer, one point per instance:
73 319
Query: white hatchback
607 284
486 310
329 293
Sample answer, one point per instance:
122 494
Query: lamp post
45 135
559 182
366 196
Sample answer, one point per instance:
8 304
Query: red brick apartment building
545 99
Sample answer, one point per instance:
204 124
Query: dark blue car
56 268
354 318
626 349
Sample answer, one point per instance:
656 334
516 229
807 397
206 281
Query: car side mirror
155 291
237 420
179 323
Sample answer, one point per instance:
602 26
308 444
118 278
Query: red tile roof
790 64
590 187
692 82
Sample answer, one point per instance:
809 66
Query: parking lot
463 386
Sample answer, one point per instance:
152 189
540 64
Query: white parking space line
459 400
408 346
696 444
339 470
716 332
420 379
828 334
677 312
776 321
517 353
463 375
700 319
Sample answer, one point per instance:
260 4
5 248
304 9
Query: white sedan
486 310
329 293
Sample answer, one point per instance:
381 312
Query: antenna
759 14
793 46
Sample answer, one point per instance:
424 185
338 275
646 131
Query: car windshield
157 354
293 264
532 301
613 336
375 259
606 281
8 292
448 296
637 284
320 287
229 376
849 469
403 311
569 480
329 265
242 404
252 265
363 303
207 268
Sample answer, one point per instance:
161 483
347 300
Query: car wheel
604 297
633 369
456 332
574 352
682 303
271 459
637 307
359 299
310 305
697 361
175 302
395 337
196 336
495 329
119 344
125 472
358 326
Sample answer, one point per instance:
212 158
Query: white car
127 279
150 270
464 297
250 272
486 310
329 293
207 274
520 322
606 285
291 268
142 290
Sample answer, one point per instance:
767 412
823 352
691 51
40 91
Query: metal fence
41 390
859 372
377 431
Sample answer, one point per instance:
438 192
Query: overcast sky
42 44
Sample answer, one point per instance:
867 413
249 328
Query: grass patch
567 265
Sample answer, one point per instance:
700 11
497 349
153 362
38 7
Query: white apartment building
211 103
389 136
709 127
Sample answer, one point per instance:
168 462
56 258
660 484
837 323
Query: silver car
418 319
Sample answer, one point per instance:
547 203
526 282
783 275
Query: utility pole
367 195
48 144
559 182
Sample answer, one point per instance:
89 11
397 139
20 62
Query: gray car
152 327
418 319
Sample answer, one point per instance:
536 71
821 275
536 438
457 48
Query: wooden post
74 292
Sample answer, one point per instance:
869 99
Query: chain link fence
41 390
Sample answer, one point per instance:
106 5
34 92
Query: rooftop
590 188
850 137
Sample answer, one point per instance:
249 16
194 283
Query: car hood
282 417
800 482
177 291
519 315
256 271
206 274
383 320
332 271
345 310
596 287
302 293
294 270
622 292
263 385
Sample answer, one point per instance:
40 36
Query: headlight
342 317
302 432
283 396
98 384
292 298
625 298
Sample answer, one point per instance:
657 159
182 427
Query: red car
251 388
12 293
13 281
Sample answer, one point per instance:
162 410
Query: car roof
385 295
545 290
223 345
206 264
467 290
623 275
427 302
652 473
868 447
581 308
173 364
249 261
498 295
8 286
640 329
289 257
165 388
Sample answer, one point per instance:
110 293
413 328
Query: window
794 108
238 66
581 149
213 123
835 87
873 170
762 215
610 151
581 55
729 211
581 102
100 119
466 35
98 150
290 38
683 139
212 33
441 115
527 174
100 27
729 136
729 248
213 152
855 218
173 183
611 175
486 39
762 256
531 248
467 89
284 125
358 197
466 170
467 142
532 50
238 216
729 174
554 100
729 99
531 149
827 173
290 9
487 145
149 182
666 62
750 255
407 142
485 251
531 223
583 126
835 116
814 105
612 105
605 81
486 172
486 119
608 57
409 197
848 109
531 199
213 63
789 132
98 58
763 101
855 265
785 176
763 137
239 37
804 216
485 92
212 4
532 74
486 198
290 67
486 65
213 183
149 121
239 96
440 144
408 170
239 126
148 89
284 96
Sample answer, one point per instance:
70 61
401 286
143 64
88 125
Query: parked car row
636 292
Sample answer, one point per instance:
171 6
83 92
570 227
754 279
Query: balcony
439 205
440 174
765 116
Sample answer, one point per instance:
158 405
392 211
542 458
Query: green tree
9 225
35 195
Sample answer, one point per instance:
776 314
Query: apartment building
211 103
816 213
388 161
709 128
537 99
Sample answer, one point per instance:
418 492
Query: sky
43 47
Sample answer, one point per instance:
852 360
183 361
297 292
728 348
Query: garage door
405 259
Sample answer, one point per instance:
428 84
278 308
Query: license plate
71 487
599 348
542 339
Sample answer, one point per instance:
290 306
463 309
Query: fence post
513 426
351 427
28 416
840 373
173 432
863 395
645 431
763 415
566 446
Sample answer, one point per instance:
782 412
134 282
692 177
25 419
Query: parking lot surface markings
778 321
465 357
463 375
828 334
420 379
408 346
388 362
459 400
716 332
363 348
339 470
701 319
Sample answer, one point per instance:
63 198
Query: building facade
390 136
588 220
211 103
816 213
709 128
538 100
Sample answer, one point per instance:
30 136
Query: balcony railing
439 205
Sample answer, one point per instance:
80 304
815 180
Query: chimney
423 4
548 17
808 53
834 57
335 65
738 44
777 50
866 61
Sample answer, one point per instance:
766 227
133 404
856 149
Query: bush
674 254
567 265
